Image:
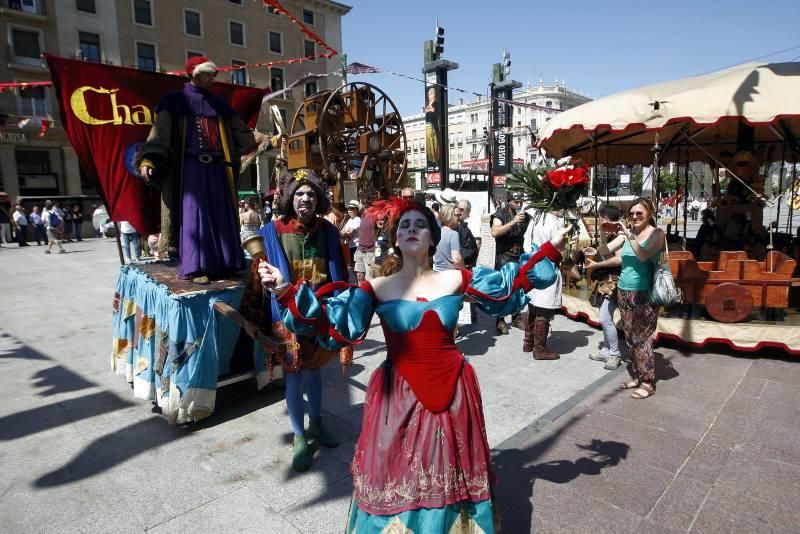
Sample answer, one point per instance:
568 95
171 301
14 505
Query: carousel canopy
707 109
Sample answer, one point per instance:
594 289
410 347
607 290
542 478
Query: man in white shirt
20 225
38 226
544 302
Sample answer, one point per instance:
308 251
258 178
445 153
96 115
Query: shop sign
13 138
433 178
501 161
499 180
502 112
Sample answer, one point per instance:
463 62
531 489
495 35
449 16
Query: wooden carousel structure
353 137
732 119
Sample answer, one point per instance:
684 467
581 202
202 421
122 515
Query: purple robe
208 240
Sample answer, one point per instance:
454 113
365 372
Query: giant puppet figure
193 153
305 247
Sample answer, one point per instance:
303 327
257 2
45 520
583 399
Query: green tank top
636 274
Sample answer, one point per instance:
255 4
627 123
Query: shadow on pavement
124 444
59 379
565 342
517 471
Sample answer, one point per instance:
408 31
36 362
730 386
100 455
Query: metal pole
685 191
489 149
780 185
119 244
791 208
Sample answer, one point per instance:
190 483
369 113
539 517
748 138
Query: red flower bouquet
550 188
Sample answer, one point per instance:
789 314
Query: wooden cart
734 284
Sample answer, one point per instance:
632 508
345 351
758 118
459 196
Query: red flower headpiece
395 208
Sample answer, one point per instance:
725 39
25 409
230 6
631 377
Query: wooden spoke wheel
729 303
366 140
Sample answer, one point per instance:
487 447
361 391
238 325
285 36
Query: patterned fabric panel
458 518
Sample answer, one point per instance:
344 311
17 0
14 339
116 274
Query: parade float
175 341
738 121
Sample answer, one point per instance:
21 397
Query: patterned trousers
639 320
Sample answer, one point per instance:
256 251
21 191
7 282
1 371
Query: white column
72 171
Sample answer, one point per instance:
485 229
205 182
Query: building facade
155 35
467 123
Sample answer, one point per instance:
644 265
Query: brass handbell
254 245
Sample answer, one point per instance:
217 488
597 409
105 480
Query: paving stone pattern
714 450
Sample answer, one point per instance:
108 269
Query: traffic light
439 42
507 63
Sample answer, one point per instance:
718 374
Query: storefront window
34 173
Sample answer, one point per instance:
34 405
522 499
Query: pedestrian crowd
49 225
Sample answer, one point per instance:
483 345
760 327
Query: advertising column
435 129
502 145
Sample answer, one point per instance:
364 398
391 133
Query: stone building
150 35
467 122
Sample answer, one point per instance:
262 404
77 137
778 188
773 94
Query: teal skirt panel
464 516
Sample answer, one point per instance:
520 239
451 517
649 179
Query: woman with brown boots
544 302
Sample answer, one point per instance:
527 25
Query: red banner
107 113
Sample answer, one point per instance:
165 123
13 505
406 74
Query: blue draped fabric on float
173 347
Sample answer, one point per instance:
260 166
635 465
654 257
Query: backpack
54 220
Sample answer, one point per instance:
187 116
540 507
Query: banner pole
119 244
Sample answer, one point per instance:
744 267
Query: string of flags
22 121
361 68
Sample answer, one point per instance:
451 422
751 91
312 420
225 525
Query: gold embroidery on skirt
395 526
464 524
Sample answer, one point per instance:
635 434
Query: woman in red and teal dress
422 460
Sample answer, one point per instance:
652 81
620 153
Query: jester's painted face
304 203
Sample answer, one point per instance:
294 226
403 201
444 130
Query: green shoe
301 454
318 431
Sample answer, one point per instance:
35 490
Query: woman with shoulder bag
640 248
604 275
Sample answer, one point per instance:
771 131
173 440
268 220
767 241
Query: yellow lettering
141 115
116 107
137 114
78 104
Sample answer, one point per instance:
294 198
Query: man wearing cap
508 226
192 153
304 246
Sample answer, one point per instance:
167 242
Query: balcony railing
36 7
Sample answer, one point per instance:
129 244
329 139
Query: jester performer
422 461
193 153
303 246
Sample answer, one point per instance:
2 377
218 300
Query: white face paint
413 232
304 203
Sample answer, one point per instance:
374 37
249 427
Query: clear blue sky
599 47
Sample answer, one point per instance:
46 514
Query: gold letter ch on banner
122 114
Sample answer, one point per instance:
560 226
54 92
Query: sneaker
61 251
612 363
502 328
47 252
600 356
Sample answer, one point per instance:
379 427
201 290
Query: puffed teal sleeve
503 292
335 321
